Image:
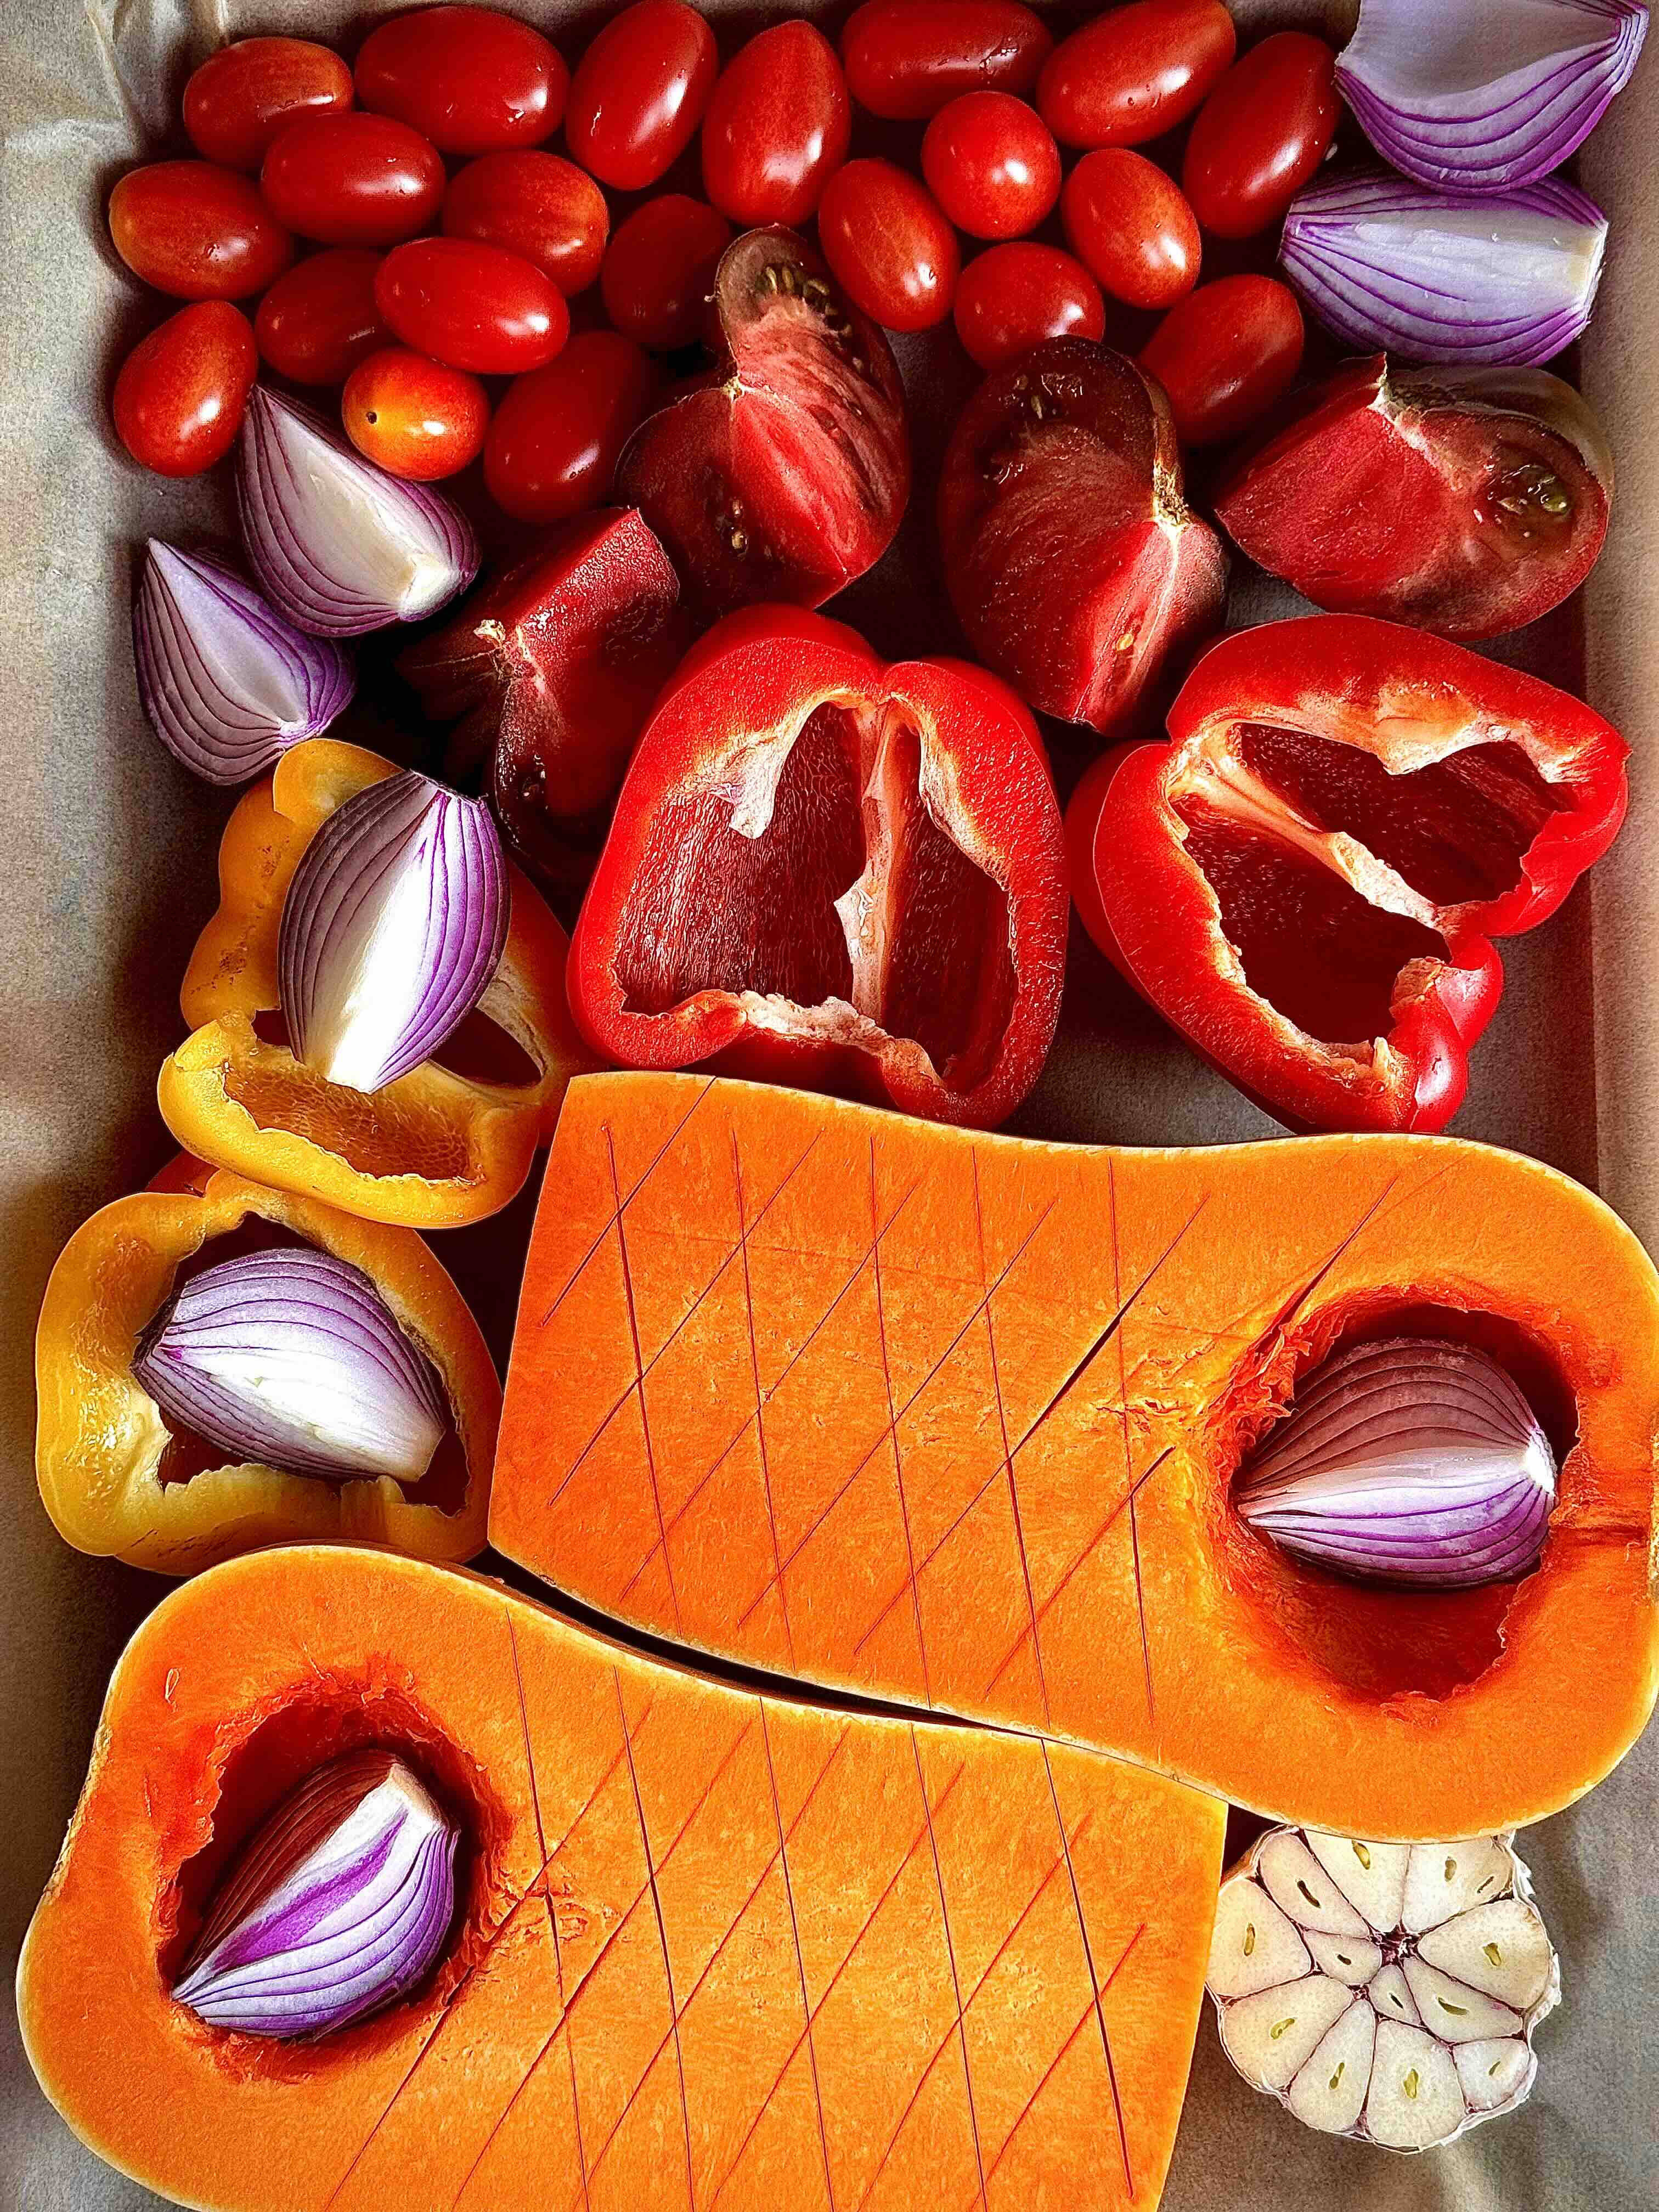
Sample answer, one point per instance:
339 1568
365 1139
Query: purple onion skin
320 576
184 667
1541 124
1385 310
313 1930
1409 1461
350 867
350 1369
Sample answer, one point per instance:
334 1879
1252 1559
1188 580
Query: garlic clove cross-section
1387 1992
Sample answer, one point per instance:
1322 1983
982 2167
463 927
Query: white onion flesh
290 1359
337 1905
340 546
1412 1462
1393 266
394 922
1476 95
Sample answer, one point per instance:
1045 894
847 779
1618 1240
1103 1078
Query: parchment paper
107 873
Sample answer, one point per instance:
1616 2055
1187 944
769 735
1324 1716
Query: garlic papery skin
338 1904
1413 1462
394 922
290 1359
1412 2030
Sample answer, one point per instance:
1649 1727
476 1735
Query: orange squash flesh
953 1418
715 1948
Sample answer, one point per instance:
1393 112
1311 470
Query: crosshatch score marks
901 1409
884 1981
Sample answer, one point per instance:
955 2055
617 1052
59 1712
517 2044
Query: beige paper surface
107 873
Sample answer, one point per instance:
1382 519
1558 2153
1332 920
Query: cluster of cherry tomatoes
443 242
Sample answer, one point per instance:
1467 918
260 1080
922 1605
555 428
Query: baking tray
107 872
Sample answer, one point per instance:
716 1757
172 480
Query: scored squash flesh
955 1418
713 1948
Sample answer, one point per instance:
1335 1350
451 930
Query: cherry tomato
1131 228
889 245
639 92
1013 297
536 204
659 270
555 438
777 127
1225 355
991 164
320 320
470 79
905 59
474 305
242 96
413 417
1136 72
179 399
196 231
1261 134
353 179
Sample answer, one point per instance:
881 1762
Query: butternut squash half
954 1418
710 1948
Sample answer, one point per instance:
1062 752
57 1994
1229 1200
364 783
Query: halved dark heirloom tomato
1305 880
833 873
1465 500
786 474
554 666
1076 567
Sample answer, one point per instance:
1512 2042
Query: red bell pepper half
1305 880
833 873
554 666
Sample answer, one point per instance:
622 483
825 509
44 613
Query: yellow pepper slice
101 1439
434 1149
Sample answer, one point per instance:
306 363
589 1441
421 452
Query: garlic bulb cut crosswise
1384 1991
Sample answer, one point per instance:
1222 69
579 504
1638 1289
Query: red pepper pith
834 871
1305 880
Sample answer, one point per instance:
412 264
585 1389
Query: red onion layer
340 546
338 1904
1477 95
1408 1461
1394 266
394 923
289 1358
228 684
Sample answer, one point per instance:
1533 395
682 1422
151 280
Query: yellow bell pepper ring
121 1479
445 1144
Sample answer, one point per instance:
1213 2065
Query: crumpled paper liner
107 874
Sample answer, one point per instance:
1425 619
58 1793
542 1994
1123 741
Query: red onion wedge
394 922
1386 1992
338 1904
1393 266
228 684
289 1358
340 546
1409 1461
1476 95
